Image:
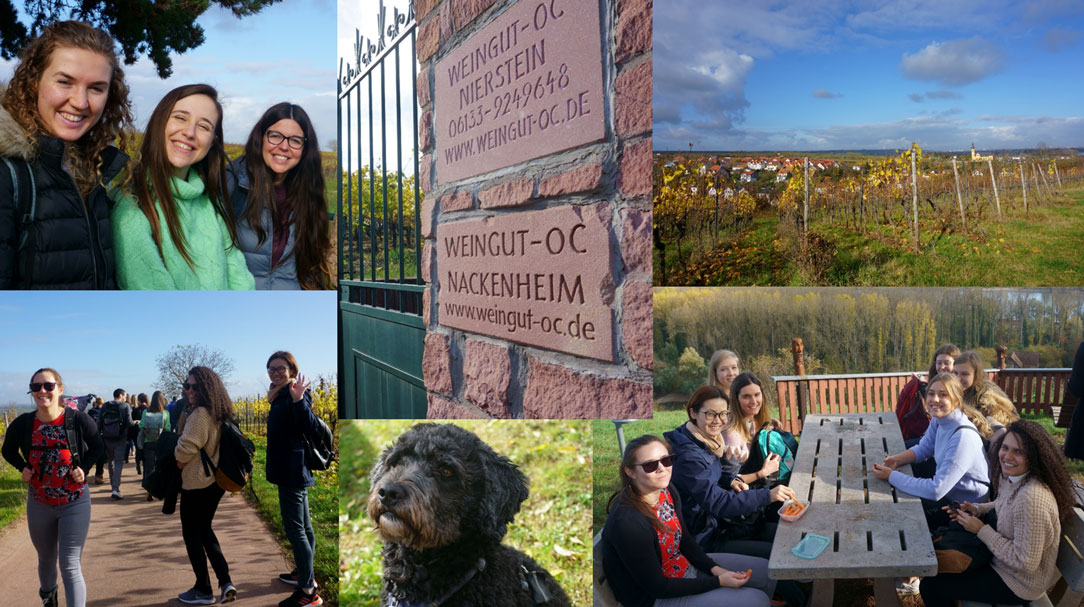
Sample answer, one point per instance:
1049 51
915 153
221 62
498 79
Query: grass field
1041 248
12 495
552 525
323 509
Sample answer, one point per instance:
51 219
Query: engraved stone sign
527 85
539 278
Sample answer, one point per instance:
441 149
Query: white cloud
954 63
825 94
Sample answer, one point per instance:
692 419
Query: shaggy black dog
442 500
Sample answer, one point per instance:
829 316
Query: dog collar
478 567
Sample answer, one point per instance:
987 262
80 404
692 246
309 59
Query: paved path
134 555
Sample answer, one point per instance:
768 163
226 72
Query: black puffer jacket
70 243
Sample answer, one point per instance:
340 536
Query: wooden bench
603 595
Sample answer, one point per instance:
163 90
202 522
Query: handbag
960 551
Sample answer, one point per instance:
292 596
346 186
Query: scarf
714 444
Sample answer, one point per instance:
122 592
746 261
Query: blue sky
869 74
284 53
101 340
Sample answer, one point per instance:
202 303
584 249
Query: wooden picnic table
876 531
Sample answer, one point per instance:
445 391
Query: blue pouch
811 546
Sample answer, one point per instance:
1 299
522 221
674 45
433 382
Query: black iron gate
380 292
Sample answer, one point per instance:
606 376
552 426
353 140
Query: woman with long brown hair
65 106
176 231
650 559
210 405
277 189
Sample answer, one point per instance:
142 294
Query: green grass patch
323 509
12 494
552 525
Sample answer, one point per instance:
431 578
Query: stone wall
541 230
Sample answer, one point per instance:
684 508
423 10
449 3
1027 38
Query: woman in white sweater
1034 496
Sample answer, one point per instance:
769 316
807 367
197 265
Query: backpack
151 434
235 453
319 450
26 197
781 443
73 432
112 425
910 412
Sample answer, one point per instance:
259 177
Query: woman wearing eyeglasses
650 559
277 189
700 478
176 231
288 422
58 503
209 405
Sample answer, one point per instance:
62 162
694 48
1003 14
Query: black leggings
198 508
984 586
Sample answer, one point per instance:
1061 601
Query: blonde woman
723 369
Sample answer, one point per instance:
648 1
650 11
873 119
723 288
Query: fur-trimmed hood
14 142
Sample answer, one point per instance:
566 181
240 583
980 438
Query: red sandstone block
459 201
443 408
425 172
509 194
633 28
424 92
426 312
633 100
636 241
427 261
427 216
422 8
437 363
634 174
425 130
636 321
445 22
583 179
487 372
557 392
464 11
428 40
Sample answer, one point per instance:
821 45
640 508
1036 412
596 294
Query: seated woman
747 416
177 231
1034 497
700 479
723 369
983 395
911 408
952 440
651 561
277 189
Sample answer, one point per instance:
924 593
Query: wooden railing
1031 390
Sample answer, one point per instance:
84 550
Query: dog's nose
390 493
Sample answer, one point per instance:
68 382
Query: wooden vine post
1035 178
959 201
1024 187
914 197
1058 177
805 213
990 164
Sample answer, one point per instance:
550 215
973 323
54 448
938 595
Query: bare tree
173 366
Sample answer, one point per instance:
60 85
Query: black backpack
235 453
71 429
111 423
319 447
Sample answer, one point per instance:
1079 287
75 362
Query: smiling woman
178 181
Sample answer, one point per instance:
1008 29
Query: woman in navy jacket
288 421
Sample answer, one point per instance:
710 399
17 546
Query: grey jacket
258 256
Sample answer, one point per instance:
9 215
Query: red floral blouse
51 461
674 564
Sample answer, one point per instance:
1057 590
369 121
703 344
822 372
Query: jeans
149 459
296 523
115 453
983 585
198 508
60 532
757 592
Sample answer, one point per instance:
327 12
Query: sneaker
195 597
150 498
300 599
907 586
289 578
48 599
99 479
229 593
117 495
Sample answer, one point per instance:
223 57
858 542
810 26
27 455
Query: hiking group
693 522
192 450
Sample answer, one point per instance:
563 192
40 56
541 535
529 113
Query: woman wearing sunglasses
209 405
277 189
176 231
58 503
648 557
288 422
